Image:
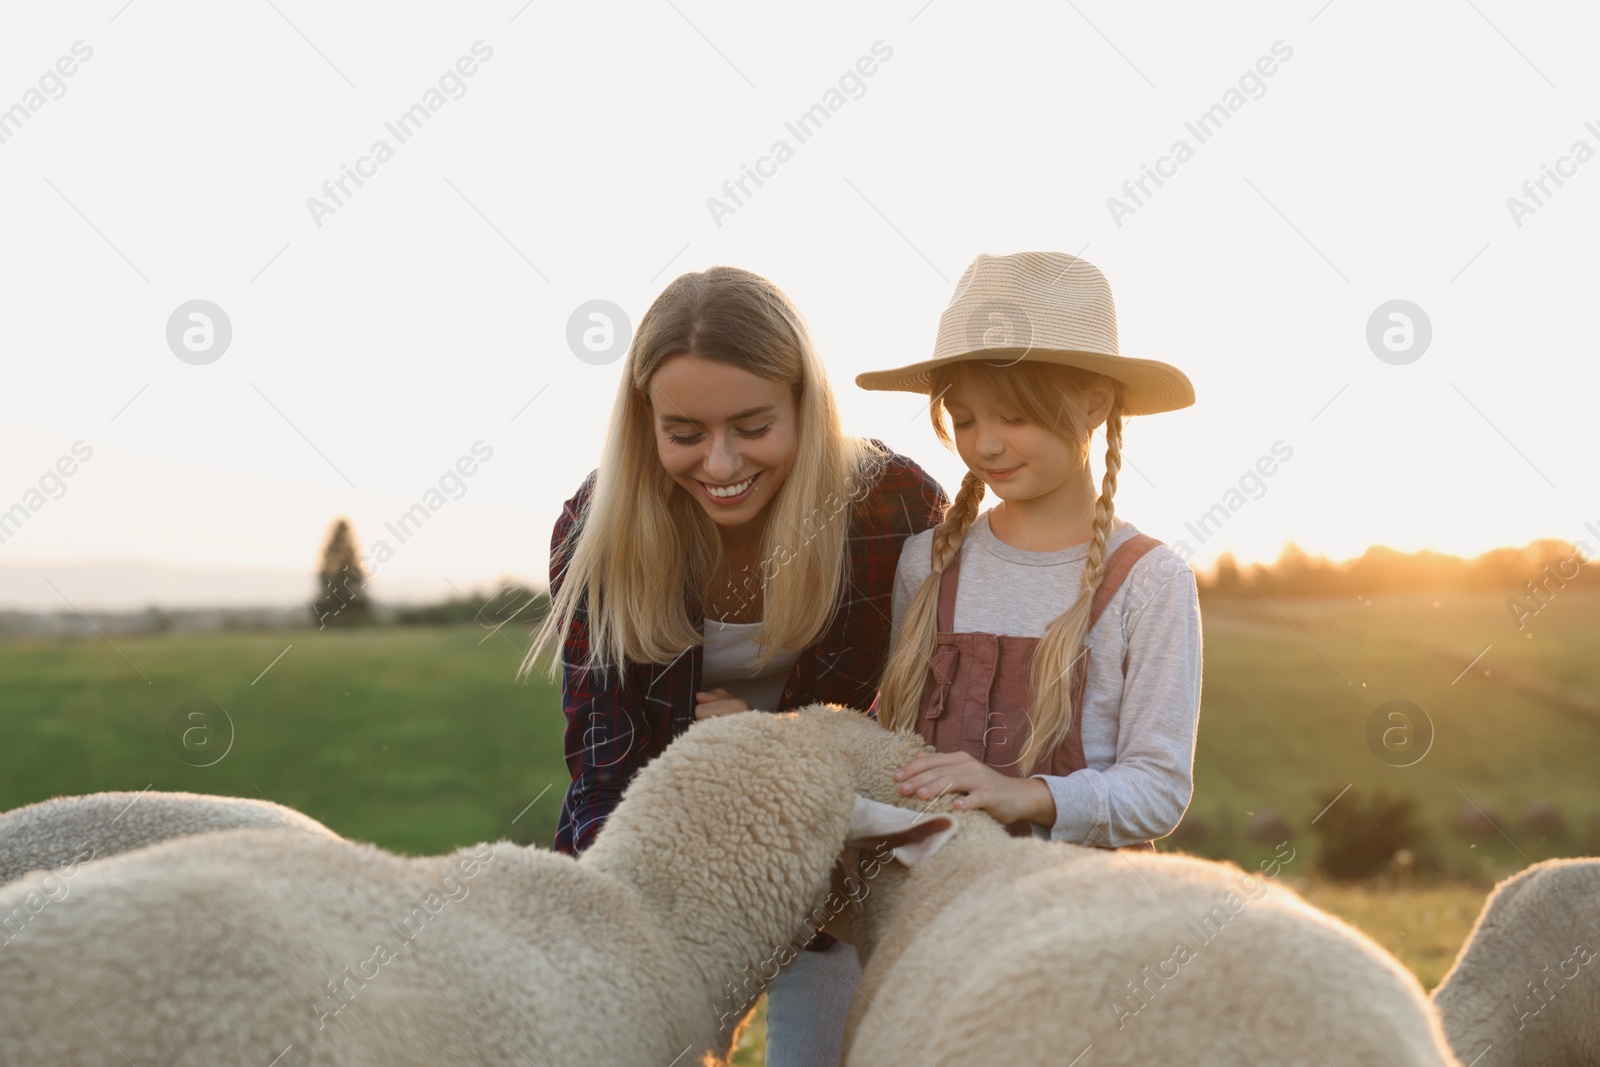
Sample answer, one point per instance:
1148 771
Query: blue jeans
806 1007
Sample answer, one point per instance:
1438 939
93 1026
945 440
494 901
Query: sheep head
743 807
734 834
890 834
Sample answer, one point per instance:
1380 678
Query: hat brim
1149 386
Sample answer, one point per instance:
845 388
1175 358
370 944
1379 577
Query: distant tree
1226 580
1499 568
342 581
1534 573
1299 574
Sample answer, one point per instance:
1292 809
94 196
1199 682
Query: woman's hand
984 788
717 702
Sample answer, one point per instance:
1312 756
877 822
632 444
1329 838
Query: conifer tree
341 581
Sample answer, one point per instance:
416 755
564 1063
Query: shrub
1476 820
1267 826
1358 837
510 601
1544 818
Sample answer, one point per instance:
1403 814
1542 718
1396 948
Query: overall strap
1117 567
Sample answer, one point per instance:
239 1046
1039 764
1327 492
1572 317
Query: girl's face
727 436
1017 459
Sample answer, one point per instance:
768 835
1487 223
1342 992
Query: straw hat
1044 306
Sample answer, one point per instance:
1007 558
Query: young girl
734 550
1049 650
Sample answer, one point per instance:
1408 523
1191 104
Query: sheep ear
913 836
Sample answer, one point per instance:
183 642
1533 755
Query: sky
380 336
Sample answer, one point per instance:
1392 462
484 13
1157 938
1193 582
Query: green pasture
421 739
416 738
1290 687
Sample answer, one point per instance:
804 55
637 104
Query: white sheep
1525 989
248 946
65 831
983 947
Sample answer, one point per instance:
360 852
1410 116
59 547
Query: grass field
417 739
420 739
1289 690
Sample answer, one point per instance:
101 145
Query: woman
734 550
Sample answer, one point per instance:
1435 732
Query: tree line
1534 572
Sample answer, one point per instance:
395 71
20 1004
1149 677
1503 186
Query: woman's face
726 435
1017 459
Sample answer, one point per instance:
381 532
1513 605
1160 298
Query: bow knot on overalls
943 669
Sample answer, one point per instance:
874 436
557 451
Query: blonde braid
911 647
956 520
1095 566
1065 639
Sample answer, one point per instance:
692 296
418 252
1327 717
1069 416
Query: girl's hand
1006 798
717 702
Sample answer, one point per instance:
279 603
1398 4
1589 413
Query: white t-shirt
1142 703
729 654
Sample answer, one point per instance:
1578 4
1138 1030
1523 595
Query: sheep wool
66 831
989 947
1525 989
262 946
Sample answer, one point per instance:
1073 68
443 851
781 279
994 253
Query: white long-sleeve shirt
1142 704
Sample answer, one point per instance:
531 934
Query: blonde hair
645 542
1027 388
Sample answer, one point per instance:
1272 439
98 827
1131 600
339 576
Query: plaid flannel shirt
618 723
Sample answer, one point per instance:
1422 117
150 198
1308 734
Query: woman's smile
733 493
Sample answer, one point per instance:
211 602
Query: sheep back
65 831
1148 959
246 945
1527 980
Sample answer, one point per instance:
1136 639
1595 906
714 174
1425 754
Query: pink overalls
977 693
